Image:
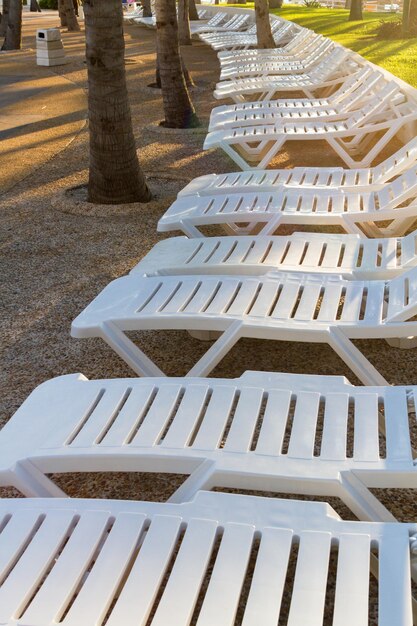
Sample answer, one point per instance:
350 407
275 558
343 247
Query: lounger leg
235 156
127 350
191 231
354 358
201 478
217 351
263 164
32 483
362 502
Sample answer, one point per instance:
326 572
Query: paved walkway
40 110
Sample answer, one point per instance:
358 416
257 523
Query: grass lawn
399 56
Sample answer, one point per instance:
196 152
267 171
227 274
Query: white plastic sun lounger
254 210
271 66
348 255
231 41
295 306
374 124
352 95
315 435
359 179
328 73
295 45
124 563
234 24
216 20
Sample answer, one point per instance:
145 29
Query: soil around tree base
164 189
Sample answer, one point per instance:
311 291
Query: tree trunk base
192 122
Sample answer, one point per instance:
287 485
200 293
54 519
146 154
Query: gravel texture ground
56 255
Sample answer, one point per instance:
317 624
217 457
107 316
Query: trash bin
49 48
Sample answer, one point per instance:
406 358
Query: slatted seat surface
135 563
262 430
288 204
348 99
296 44
230 41
333 68
281 306
256 145
301 44
235 23
349 255
271 67
332 177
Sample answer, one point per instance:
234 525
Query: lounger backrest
330 64
400 190
221 559
354 90
216 19
395 164
402 296
379 102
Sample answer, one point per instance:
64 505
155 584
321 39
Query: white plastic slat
23 580
130 415
269 577
274 423
203 293
286 301
223 297
304 424
102 415
352 582
223 592
308 302
13 537
180 298
158 415
97 593
243 298
333 442
58 589
374 302
330 302
366 438
244 422
212 428
264 300
181 593
352 304
310 581
139 592
397 430
186 417
394 598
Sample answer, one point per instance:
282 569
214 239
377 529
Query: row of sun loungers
209 558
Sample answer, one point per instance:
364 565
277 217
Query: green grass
398 56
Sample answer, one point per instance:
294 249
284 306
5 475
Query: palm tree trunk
4 18
13 39
72 22
263 25
184 33
355 10
192 10
115 176
34 6
62 14
147 11
178 108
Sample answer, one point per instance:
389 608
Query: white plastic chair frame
300 434
327 74
359 179
301 38
355 92
282 32
236 23
275 66
297 306
263 212
348 255
107 562
355 139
